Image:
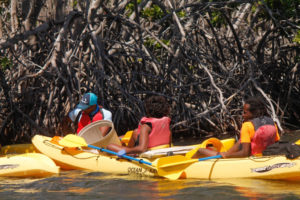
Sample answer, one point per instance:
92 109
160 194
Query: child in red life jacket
86 112
153 129
258 131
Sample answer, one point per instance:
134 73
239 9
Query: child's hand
223 154
121 153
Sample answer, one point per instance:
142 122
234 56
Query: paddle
216 143
72 140
126 138
172 167
297 142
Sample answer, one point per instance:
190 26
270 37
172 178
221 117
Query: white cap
74 113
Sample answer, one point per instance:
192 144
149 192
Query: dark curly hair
257 107
157 106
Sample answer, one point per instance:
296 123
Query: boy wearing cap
86 112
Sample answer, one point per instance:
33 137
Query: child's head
157 106
254 107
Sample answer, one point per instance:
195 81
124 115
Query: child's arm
235 152
142 146
143 140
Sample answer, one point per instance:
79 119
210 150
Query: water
95 185
78 184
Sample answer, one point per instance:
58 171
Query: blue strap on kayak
123 156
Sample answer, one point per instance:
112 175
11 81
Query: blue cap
88 99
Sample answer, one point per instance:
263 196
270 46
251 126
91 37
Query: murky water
95 185
78 184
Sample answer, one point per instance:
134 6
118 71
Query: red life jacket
265 134
85 119
160 132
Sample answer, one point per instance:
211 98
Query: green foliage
153 13
297 37
5 63
191 67
181 14
151 43
130 7
217 19
75 3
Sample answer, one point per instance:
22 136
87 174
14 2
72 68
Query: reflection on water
96 185
266 189
77 184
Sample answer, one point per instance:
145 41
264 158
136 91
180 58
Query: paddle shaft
124 156
211 157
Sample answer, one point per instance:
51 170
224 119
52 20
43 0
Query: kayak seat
93 136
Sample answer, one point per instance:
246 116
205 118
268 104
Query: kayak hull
266 167
72 158
27 165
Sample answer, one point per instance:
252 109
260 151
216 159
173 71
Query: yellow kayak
27 165
266 167
72 158
17 149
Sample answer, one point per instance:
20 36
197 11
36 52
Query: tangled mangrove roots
204 57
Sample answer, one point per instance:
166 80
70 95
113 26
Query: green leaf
297 37
5 63
153 13
75 3
181 14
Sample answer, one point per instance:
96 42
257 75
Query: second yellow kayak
27 165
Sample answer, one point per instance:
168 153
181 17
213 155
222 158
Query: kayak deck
266 167
27 165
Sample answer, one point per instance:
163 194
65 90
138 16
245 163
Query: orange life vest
160 132
86 119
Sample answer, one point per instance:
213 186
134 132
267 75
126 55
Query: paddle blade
126 138
172 167
192 152
72 140
173 175
297 142
171 161
216 144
